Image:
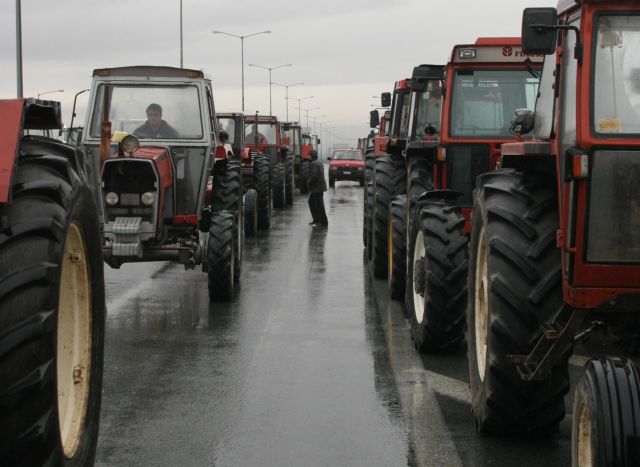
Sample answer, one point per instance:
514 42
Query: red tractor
263 134
292 139
555 242
152 134
52 304
484 84
256 174
375 233
309 142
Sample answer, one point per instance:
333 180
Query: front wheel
262 184
397 247
436 289
304 177
251 213
221 256
52 311
606 415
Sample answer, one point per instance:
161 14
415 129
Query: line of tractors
187 189
519 231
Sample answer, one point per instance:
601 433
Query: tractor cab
485 82
233 124
263 133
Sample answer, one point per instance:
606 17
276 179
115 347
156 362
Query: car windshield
165 112
266 133
484 101
347 156
228 125
617 75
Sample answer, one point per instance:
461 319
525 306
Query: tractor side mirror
374 119
523 122
430 130
385 99
539 30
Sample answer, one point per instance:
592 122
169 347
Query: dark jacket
316 181
165 131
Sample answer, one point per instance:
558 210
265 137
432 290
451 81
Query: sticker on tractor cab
609 125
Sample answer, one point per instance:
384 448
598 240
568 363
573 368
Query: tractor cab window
616 81
263 133
429 107
151 112
228 125
405 115
484 101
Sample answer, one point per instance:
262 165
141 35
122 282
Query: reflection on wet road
309 365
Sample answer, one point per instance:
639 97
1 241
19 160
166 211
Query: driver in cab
250 139
155 127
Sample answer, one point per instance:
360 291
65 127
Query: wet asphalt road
309 365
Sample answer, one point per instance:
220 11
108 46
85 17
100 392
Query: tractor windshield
151 112
228 125
484 101
263 133
429 109
616 80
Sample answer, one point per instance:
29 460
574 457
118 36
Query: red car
346 164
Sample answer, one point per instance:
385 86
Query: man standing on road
317 187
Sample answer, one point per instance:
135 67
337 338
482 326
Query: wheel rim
584 437
481 304
418 261
73 340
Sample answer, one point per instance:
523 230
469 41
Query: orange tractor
52 304
264 134
555 242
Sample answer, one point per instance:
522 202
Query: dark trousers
316 206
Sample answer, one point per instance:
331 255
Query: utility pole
19 47
181 35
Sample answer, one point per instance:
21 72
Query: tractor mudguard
450 195
16 114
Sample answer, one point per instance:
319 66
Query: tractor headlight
129 144
148 198
111 198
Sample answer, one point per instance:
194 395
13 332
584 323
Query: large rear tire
279 186
368 241
262 184
369 164
515 288
389 179
52 310
227 196
606 415
397 247
251 213
221 256
436 291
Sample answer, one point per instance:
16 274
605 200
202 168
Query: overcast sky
345 51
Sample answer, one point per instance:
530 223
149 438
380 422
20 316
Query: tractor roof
402 84
493 50
149 71
229 114
567 5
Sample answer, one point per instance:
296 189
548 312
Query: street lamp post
300 100
270 68
242 38
307 112
286 89
49 92
19 47
181 34
314 122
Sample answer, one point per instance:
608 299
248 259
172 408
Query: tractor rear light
467 53
580 166
111 198
148 198
442 154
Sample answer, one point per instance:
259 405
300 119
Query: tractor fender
450 195
16 114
